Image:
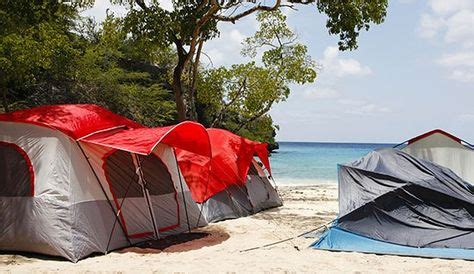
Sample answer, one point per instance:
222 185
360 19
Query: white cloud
452 22
459 28
361 107
100 8
166 4
460 69
462 75
466 117
333 68
216 56
465 58
444 7
313 92
430 25
368 109
237 36
455 27
225 50
460 65
351 102
98 11
336 66
406 1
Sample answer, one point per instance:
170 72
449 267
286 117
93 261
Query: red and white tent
444 149
237 185
79 179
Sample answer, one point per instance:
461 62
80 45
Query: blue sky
413 73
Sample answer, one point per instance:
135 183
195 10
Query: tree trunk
178 90
179 98
192 90
5 101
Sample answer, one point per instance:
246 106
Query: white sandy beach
217 248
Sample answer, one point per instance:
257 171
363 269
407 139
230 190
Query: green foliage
36 50
143 65
54 57
263 130
116 72
348 17
238 98
162 27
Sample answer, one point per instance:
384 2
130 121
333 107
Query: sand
218 247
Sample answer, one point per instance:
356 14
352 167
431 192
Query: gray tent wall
391 196
62 217
239 201
263 195
71 211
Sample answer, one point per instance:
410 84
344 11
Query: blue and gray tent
393 203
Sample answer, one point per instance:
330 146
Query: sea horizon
315 163
340 142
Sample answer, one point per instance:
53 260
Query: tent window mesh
123 179
16 178
156 175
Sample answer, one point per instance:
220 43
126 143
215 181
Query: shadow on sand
196 239
207 236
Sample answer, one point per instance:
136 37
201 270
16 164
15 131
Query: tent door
163 195
130 196
137 218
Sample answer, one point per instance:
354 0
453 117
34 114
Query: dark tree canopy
147 66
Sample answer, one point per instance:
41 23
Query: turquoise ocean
298 163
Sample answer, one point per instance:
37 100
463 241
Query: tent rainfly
238 186
393 203
79 179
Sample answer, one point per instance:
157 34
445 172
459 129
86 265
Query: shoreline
289 182
218 247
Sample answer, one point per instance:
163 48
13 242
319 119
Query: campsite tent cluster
79 179
417 199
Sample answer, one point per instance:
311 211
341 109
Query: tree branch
141 4
259 114
232 101
247 12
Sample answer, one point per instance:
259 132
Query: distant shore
218 247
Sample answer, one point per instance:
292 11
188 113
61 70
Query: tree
235 98
36 45
191 23
50 55
124 75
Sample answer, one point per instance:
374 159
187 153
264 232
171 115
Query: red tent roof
188 136
231 159
94 124
76 121
231 154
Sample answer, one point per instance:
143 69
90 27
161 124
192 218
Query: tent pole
119 212
202 206
106 197
182 190
146 194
